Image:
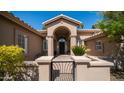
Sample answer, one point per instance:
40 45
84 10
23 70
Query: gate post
44 63
81 64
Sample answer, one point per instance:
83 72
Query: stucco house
60 34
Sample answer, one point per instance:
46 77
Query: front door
62 47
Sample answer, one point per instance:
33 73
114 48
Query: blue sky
35 18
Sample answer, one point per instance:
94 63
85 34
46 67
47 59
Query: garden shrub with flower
10 58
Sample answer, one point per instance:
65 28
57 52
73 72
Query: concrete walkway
62 58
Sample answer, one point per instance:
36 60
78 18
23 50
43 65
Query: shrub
10 58
79 50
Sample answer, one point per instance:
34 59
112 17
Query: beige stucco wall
98 73
44 63
88 70
107 47
44 72
8 36
6 32
85 68
61 23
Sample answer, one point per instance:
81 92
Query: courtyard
63 49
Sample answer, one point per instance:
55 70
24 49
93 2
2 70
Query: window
45 45
23 42
99 45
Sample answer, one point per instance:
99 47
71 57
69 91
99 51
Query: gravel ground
117 76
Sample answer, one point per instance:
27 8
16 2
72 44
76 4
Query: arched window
61 40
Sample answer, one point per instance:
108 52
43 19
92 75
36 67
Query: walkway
62 68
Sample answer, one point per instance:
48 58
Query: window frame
45 45
23 42
99 44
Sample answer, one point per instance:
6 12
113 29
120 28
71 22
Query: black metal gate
62 71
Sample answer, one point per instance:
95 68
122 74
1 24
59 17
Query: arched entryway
61 41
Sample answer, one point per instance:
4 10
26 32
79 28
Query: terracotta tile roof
18 21
89 30
43 33
96 35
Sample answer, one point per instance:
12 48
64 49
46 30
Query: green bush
79 50
10 58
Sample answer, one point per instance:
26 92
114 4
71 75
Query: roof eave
18 21
95 36
61 16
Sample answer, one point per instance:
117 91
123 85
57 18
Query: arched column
73 42
50 46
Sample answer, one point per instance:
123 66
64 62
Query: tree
113 25
94 26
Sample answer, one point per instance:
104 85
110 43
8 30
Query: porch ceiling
61 32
